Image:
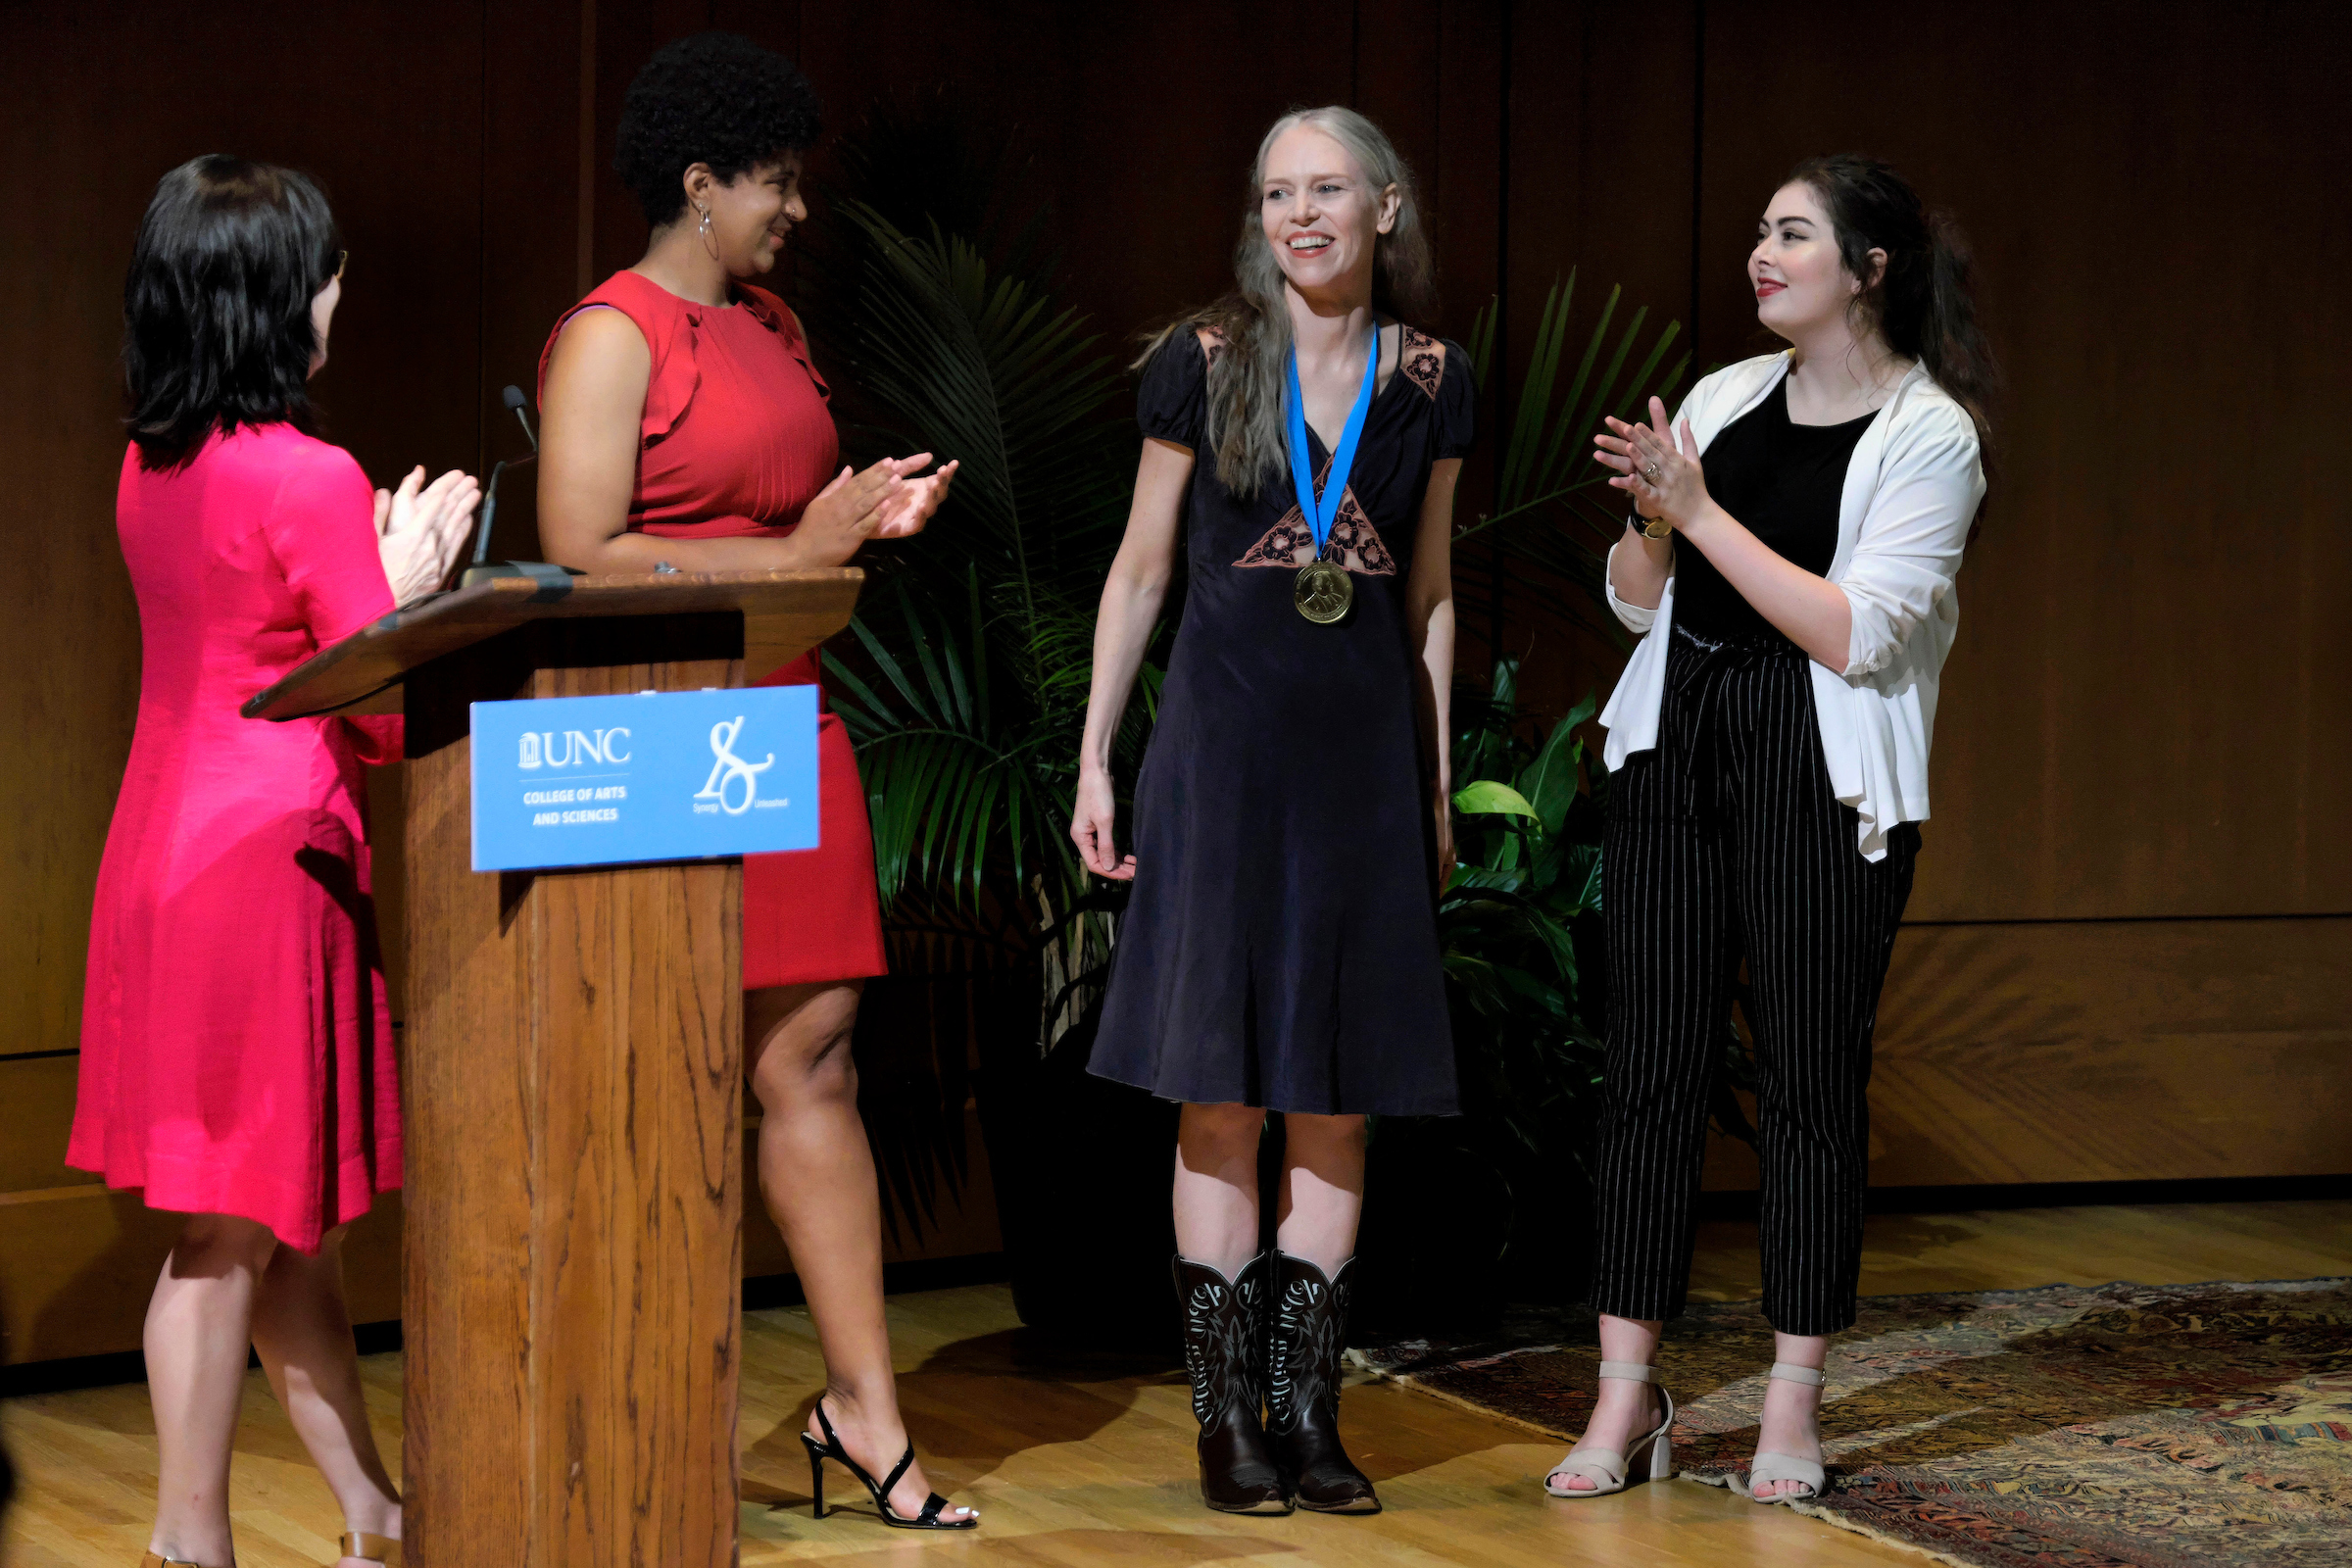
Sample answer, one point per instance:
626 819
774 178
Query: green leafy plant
1517 927
964 680
1521 933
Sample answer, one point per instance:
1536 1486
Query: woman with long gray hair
1280 952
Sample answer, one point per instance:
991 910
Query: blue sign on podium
659 776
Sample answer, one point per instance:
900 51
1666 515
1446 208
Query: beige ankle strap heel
369 1548
1606 1468
1806 1473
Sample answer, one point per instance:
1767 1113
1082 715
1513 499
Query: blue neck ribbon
1321 511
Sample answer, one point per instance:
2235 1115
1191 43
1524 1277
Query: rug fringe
1409 1381
1846 1522
1830 1516
1810 1510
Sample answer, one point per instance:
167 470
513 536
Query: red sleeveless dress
736 440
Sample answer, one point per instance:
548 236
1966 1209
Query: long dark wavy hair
1247 381
217 328
1923 303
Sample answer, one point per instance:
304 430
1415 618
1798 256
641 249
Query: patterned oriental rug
2116 1426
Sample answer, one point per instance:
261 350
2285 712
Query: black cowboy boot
1224 1350
1302 1388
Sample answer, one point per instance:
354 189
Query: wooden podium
572 1092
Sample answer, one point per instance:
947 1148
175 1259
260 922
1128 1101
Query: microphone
514 399
554 581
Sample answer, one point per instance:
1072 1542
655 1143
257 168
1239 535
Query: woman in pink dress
236 1052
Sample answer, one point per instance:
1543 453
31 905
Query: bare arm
590 411
1638 568
1138 585
1429 623
1810 612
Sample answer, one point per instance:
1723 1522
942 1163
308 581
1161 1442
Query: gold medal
1323 592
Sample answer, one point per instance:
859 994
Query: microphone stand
554 581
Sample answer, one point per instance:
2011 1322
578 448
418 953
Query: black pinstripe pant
1723 843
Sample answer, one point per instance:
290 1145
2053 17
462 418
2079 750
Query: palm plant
967 703
1552 505
964 680
965 677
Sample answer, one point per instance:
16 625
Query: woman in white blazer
1790 561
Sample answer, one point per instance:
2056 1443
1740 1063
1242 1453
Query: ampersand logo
731 769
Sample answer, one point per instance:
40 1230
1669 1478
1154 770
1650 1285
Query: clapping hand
421 531
1657 465
881 503
909 507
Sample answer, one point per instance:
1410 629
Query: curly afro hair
715 98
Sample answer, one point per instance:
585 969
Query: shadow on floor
1059 1549
970 1406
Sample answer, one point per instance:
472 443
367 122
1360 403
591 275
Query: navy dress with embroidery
1281 946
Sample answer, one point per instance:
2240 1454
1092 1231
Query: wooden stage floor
1091 1463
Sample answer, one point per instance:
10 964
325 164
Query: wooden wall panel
536 182
2117 1050
1599 180
38 1091
623 37
101 100
79 1263
966 1222
1397 80
1138 123
2148 714
2147 721
2149 709
395 137
2108 1050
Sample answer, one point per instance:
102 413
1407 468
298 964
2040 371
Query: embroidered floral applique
1422 359
1354 543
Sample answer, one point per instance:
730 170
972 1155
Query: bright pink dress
737 438
236 1047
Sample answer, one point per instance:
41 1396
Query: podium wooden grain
572 1095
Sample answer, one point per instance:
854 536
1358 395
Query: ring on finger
1650 471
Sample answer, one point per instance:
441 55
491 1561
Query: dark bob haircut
216 325
715 98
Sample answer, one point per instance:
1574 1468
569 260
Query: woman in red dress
683 425
236 1053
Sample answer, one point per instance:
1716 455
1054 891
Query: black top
1784 482
1280 948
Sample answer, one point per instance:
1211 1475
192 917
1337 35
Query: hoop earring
708 244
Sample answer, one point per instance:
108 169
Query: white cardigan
1911 489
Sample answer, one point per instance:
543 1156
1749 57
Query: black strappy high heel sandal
831 1449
